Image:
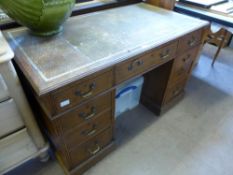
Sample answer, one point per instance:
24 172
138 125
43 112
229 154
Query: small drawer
141 64
85 112
183 64
4 94
91 148
87 130
10 119
189 41
174 90
81 91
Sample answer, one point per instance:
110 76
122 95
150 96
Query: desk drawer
183 65
189 41
141 64
91 148
4 94
10 119
87 130
174 90
85 113
81 91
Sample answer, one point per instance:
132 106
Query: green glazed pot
43 17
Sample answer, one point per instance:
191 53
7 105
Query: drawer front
189 41
4 94
87 130
15 149
79 92
91 148
141 64
183 65
85 113
10 119
174 90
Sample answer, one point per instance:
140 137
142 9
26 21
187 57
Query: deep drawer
91 148
85 113
10 119
87 130
141 64
80 91
189 41
4 94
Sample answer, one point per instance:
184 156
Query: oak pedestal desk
72 76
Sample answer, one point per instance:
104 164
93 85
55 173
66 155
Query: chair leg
216 55
223 37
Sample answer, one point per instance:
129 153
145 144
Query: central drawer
141 64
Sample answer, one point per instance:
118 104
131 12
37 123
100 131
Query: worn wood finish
89 129
91 148
190 40
66 58
85 112
79 92
183 64
144 62
78 109
81 168
171 86
175 90
50 102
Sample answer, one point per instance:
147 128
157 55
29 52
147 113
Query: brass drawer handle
93 152
192 42
135 63
90 132
90 115
88 93
165 55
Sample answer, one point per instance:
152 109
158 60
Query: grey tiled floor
193 138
